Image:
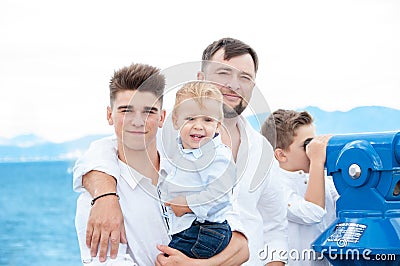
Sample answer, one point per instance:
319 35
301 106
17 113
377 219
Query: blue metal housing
366 172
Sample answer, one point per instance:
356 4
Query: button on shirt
306 220
205 177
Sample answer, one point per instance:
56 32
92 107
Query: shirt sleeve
273 210
220 178
233 218
303 212
101 156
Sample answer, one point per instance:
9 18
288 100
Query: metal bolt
354 171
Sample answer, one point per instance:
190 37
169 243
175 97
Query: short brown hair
282 125
232 48
198 91
139 77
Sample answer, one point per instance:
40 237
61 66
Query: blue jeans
202 240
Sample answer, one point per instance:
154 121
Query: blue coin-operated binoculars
366 172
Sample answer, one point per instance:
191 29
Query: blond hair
199 91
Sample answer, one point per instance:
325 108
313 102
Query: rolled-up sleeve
303 212
101 156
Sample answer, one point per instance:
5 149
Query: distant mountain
357 120
31 148
361 119
26 140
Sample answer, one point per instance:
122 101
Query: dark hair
282 125
139 77
232 48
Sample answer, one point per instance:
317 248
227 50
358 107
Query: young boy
197 183
311 197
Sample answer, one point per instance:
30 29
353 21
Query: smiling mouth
197 136
232 95
136 132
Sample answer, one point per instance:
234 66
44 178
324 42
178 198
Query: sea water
37 210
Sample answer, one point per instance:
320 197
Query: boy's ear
109 116
162 118
175 121
200 75
280 155
218 129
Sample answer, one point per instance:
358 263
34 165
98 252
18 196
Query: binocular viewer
366 171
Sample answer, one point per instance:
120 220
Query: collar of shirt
197 153
132 177
255 156
249 140
294 174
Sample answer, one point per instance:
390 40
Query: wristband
104 195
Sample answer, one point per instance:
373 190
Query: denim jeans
202 240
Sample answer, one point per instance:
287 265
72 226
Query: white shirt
257 197
306 220
205 177
82 215
144 224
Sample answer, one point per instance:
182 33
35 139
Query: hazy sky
56 57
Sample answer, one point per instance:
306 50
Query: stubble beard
230 112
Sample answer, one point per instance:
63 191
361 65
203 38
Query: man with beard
232 65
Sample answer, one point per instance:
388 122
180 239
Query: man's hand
235 254
105 225
174 257
179 206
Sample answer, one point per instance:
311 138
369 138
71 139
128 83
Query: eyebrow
199 116
125 107
146 108
234 69
225 68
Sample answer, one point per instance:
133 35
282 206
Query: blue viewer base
366 172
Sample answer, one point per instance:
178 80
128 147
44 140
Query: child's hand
316 149
179 206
